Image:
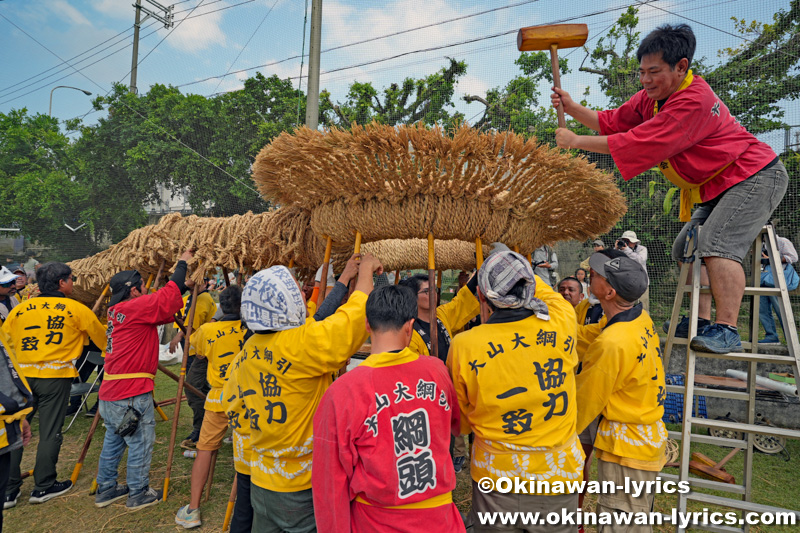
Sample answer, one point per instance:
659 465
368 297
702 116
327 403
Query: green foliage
425 100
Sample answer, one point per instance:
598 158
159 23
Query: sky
88 44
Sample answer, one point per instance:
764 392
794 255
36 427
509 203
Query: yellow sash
134 375
430 503
690 192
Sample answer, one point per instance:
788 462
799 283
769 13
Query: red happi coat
381 448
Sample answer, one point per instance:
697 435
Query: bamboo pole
181 379
158 276
291 262
516 248
432 296
239 277
226 523
356 251
210 479
170 374
323 279
478 263
99 300
225 275
397 276
77 470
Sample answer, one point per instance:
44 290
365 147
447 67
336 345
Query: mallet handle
562 121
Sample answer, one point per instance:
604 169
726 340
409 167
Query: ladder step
749 357
713 393
747 428
708 439
748 291
699 483
738 504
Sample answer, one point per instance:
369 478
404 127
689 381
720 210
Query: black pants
242 519
196 376
5 470
50 399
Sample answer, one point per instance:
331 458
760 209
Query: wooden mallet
552 37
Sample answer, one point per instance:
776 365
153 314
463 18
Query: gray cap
598 242
625 275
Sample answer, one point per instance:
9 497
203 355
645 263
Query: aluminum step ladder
741 495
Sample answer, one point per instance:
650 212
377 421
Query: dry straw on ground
402 182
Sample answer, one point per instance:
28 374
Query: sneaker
188 518
58 488
10 500
146 498
682 329
91 412
190 442
458 463
770 340
72 409
228 440
717 339
109 496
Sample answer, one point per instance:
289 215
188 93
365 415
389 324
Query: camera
622 243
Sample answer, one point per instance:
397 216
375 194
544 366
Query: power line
355 43
70 59
247 43
72 65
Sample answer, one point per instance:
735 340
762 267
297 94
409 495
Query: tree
41 187
414 100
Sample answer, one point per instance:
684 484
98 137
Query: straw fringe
403 182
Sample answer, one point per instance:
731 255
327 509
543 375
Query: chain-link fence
77 186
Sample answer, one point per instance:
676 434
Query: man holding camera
126 395
633 248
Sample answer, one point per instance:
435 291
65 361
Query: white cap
631 236
331 276
6 275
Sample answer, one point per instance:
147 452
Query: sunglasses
8 284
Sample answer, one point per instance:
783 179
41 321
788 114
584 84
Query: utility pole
167 19
312 98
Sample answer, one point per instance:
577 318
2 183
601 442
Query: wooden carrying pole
210 479
88 442
181 379
432 297
478 263
323 279
99 300
226 523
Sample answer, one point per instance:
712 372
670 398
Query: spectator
519 418
788 255
633 248
582 275
30 266
545 263
8 288
127 390
355 487
597 245
677 124
285 368
622 378
47 334
17 403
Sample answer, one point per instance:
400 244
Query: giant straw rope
404 182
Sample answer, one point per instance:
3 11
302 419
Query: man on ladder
678 124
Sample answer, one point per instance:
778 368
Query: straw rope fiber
403 182
251 240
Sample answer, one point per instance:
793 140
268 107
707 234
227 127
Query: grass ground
774 481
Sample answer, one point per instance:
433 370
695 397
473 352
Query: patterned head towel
500 272
272 301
